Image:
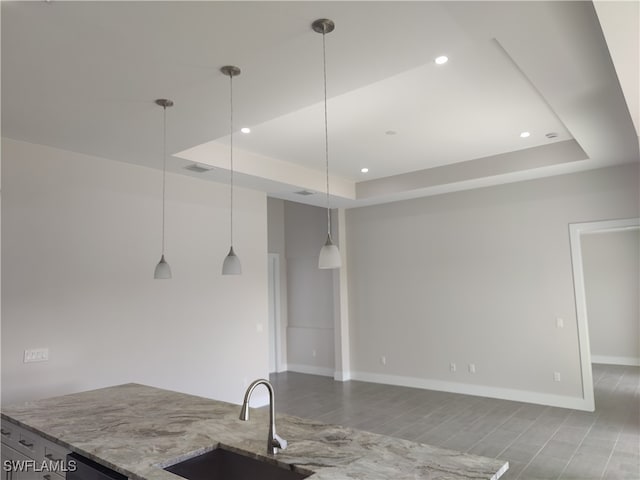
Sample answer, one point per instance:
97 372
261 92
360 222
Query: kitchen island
137 430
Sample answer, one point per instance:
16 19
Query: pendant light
231 265
163 270
329 254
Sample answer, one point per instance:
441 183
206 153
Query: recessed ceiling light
524 134
364 170
245 130
390 132
441 60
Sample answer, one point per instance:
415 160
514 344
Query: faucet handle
279 442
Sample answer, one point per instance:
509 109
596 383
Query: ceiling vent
304 193
197 168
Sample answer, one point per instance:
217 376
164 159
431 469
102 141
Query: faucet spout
274 441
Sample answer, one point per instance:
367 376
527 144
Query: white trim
341 376
609 360
575 231
611 226
562 401
310 369
274 267
342 348
584 349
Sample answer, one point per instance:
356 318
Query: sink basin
221 464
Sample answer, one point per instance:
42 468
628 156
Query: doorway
576 231
610 263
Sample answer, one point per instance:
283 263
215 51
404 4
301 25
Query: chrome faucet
274 441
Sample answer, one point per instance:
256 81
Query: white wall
477 277
310 292
611 264
80 240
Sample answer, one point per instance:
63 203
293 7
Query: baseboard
310 369
562 401
610 360
283 367
341 376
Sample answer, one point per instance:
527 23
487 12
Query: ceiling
83 76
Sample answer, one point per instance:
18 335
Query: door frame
275 309
576 230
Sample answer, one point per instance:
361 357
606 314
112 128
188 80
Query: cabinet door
9 434
55 456
17 466
28 444
50 476
21 440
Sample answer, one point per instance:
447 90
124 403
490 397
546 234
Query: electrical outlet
36 355
452 367
472 368
383 360
556 376
559 322
314 353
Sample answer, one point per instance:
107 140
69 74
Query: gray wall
310 330
611 263
80 240
477 277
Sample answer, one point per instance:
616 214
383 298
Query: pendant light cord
231 154
164 166
326 128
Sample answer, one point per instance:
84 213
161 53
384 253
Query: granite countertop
136 430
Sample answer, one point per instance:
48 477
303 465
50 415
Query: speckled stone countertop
136 430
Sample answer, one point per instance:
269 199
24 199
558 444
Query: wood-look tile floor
539 442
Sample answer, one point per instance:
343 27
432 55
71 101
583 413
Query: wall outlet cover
36 355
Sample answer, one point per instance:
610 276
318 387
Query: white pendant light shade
231 265
329 255
163 270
